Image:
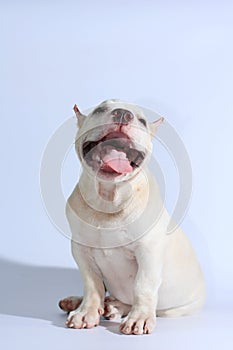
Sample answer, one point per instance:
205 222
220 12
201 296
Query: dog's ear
154 125
80 117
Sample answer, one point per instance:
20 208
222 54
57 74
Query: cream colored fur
146 271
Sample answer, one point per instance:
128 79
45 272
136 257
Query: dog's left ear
80 117
154 125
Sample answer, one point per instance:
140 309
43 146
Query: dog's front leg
87 315
142 317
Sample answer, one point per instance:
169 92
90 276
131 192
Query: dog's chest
116 253
118 267
114 258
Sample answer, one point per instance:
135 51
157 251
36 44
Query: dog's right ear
80 117
154 125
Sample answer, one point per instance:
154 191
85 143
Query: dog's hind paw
114 308
70 303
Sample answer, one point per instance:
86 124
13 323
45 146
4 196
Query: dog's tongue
117 161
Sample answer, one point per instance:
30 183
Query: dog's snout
122 116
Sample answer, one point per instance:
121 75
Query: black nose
122 116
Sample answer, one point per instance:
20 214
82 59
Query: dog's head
114 141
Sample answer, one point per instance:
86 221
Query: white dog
119 229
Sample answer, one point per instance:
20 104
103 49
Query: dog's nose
122 116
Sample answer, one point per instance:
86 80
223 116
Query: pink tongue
118 162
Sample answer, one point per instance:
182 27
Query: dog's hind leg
70 303
184 310
114 308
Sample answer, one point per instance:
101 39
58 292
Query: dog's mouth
113 155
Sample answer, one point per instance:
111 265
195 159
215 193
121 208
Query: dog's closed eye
143 121
100 110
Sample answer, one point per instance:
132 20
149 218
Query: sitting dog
119 229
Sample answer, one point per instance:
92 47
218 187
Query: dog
119 229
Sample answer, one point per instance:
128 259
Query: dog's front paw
138 323
84 318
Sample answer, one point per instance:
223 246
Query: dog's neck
108 197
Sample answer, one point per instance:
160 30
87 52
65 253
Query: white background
171 56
